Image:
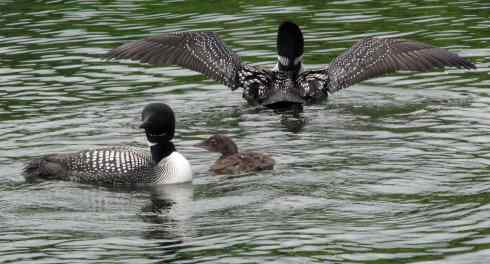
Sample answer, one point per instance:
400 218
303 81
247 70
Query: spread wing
373 57
203 52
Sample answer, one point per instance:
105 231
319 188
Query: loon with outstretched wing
287 83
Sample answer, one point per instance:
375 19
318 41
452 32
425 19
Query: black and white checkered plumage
110 166
205 52
121 165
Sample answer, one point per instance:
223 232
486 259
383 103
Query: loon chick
232 161
122 165
287 83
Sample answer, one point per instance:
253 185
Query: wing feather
203 52
373 57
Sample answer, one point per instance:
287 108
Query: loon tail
47 167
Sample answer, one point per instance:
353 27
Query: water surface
391 170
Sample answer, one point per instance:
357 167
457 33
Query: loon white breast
287 83
122 165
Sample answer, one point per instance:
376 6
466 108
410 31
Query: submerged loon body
287 83
122 165
232 161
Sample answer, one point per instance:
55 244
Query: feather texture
242 163
373 57
111 166
203 52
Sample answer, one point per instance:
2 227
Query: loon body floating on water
232 161
122 165
287 84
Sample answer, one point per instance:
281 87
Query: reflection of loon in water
288 84
173 201
293 122
169 212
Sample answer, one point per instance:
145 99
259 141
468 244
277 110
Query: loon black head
290 46
219 143
159 124
158 120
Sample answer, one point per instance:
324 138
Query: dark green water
392 170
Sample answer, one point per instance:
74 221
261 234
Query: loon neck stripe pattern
285 60
156 135
161 150
151 144
298 59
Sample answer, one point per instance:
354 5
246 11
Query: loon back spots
368 58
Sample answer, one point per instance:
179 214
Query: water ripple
394 169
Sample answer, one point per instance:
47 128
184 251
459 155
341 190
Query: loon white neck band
285 60
298 59
156 135
151 144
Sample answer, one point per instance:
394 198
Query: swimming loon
122 165
232 161
287 83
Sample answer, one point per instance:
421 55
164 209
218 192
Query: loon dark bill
368 58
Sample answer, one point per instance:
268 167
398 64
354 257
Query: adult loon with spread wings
287 83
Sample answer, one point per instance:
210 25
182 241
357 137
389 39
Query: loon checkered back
105 166
120 165
205 52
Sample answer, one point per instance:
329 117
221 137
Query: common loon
287 83
122 165
232 161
